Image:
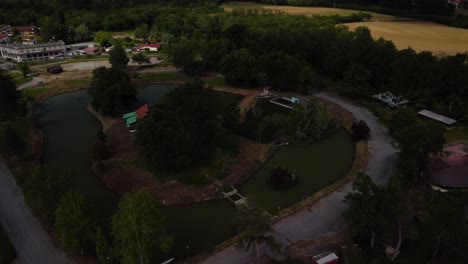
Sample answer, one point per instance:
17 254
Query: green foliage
118 57
24 68
282 178
75 223
180 129
238 68
53 29
43 188
104 251
81 33
254 224
98 152
310 122
184 56
13 141
111 90
419 140
141 31
360 131
364 213
140 58
138 229
103 38
9 97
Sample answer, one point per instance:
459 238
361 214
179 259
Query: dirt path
325 216
31 242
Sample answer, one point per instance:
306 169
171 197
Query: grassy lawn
457 133
164 76
214 81
85 81
19 79
32 92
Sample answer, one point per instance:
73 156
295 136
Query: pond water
70 131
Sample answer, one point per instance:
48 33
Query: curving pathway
31 242
325 216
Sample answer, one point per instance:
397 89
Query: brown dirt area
419 35
124 172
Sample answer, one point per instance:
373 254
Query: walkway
31 242
325 216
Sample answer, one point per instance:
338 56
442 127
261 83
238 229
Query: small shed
325 258
434 116
142 112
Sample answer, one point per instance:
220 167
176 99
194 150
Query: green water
70 131
316 166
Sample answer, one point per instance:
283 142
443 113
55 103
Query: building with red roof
4 38
142 112
150 47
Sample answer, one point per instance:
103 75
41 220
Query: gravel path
31 242
325 216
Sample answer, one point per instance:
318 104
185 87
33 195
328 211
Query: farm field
308 11
419 35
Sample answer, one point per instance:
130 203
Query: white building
44 51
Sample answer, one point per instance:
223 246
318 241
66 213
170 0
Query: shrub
360 131
282 178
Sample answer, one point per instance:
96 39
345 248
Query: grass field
419 35
307 11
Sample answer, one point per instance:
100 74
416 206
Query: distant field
419 35
308 11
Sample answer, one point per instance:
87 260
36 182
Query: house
443 119
4 38
44 51
325 258
26 32
150 47
132 118
92 51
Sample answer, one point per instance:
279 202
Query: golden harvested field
308 11
420 35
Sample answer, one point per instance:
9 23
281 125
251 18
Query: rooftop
437 117
452 177
22 46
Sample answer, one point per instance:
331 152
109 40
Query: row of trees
137 229
299 54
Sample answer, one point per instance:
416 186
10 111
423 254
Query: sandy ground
419 35
30 240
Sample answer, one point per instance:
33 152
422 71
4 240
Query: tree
360 131
184 56
118 57
138 228
141 31
53 29
74 222
14 142
180 129
103 248
363 215
111 90
309 122
103 38
239 68
24 68
81 33
281 177
140 58
356 81
9 97
254 226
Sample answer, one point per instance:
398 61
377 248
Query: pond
70 131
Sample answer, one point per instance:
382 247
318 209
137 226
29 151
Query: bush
15 144
98 152
359 131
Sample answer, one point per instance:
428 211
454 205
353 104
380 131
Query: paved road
31 242
326 215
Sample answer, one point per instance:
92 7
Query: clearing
419 35
307 11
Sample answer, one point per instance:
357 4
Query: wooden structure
235 197
131 119
391 100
